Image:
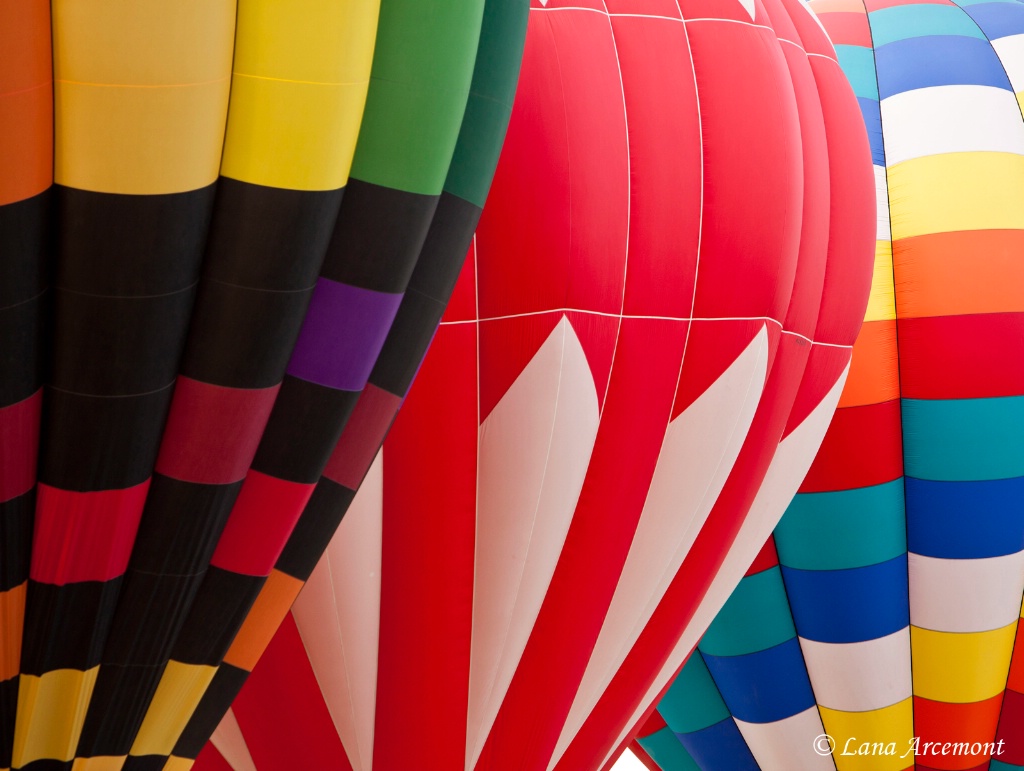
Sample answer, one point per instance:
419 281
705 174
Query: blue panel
664 748
998 19
766 686
858 65
720 748
919 20
965 520
947 60
958 440
844 606
873 123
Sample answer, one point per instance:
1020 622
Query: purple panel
342 335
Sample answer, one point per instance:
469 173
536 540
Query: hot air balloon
885 609
231 203
647 343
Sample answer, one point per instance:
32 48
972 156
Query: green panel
756 617
963 440
502 36
858 65
693 701
843 529
422 68
664 748
906 21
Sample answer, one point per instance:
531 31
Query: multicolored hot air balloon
646 344
232 200
885 610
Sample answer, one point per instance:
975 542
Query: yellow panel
299 136
139 141
143 42
178 764
887 732
177 696
307 40
959 668
101 763
956 191
882 300
51 711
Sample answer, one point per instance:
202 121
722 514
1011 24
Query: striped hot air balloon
890 611
645 349
249 211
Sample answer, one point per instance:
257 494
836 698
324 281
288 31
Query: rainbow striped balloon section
889 612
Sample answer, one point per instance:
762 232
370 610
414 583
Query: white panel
231 744
340 628
951 119
535 448
965 595
787 745
1011 53
696 457
787 470
882 230
862 676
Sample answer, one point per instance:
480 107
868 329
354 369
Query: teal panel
963 440
665 750
858 65
843 529
918 20
693 702
756 617
998 765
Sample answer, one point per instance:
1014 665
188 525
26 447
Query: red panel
711 347
211 760
825 366
427 563
812 36
506 347
568 105
849 29
942 724
1015 679
362 437
961 357
667 8
462 304
863 447
19 446
625 453
212 432
714 10
300 736
654 723
84 536
1011 729
766 559
261 521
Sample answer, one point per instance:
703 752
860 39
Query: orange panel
837 6
12 617
874 371
269 610
961 272
949 724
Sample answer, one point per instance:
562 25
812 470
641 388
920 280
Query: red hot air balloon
647 343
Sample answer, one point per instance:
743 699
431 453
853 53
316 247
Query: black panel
242 338
64 625
378 238
269 238
8 711
116 346
215 702
118 706
114 244
17 517
430 288
22 342
127 428
216 616
144 763
24 248
181 524
150 612
315 528
304 426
